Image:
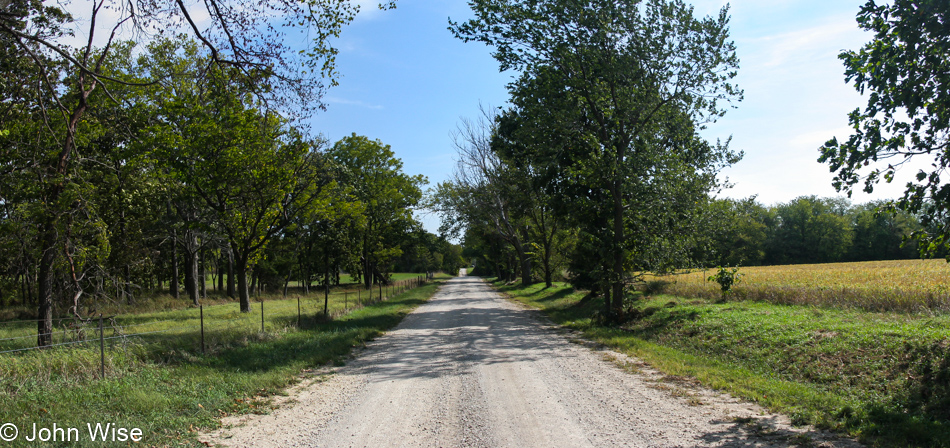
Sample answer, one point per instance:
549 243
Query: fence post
346 303
262 316
201 311
102 350
380 291
298 311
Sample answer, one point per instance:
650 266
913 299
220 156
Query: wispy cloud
369 9
357 103
803 45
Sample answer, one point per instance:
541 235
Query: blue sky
407 82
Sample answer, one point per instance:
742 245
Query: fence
190 327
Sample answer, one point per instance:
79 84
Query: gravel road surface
471 369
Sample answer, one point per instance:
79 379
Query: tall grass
913 286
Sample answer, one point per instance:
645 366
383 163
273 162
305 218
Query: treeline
177 171
807 229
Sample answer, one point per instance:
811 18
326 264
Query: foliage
609 102
905 68
726 278
388 197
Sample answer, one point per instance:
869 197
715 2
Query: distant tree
906 70
736 233
811 230
881 235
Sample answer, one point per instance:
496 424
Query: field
157 377
916 286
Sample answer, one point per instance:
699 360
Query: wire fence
190 328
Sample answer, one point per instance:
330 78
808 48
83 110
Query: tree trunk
219 288
173 284
230 274
203 278
128 286
326 294
243 292
191 270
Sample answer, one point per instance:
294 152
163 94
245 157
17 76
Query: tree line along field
911 286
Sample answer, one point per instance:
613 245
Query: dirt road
472 369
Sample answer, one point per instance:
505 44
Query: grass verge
173 391
883 377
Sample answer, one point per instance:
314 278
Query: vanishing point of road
471 369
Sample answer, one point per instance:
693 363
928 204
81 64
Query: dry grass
902 285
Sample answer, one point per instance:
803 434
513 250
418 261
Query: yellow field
901 285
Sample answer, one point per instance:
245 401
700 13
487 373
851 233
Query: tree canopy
905 71
610 97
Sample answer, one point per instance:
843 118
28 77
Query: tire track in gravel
471 369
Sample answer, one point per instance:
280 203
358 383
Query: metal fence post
262 316
102 350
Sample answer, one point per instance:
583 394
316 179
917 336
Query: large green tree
388 197
905 71
289 39
615 93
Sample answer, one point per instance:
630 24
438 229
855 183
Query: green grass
168 388
884 377
178 317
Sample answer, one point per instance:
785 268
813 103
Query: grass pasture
881 376
915 286
163 383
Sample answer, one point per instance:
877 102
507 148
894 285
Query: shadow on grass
319 340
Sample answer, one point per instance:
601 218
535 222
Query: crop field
902 285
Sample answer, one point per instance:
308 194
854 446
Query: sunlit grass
900 285
164 384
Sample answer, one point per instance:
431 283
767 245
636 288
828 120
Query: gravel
471 369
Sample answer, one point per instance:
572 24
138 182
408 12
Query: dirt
471 369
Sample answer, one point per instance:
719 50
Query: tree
387 195
486 190
248 170
246 37
906 69
880 235
615 93
811 230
